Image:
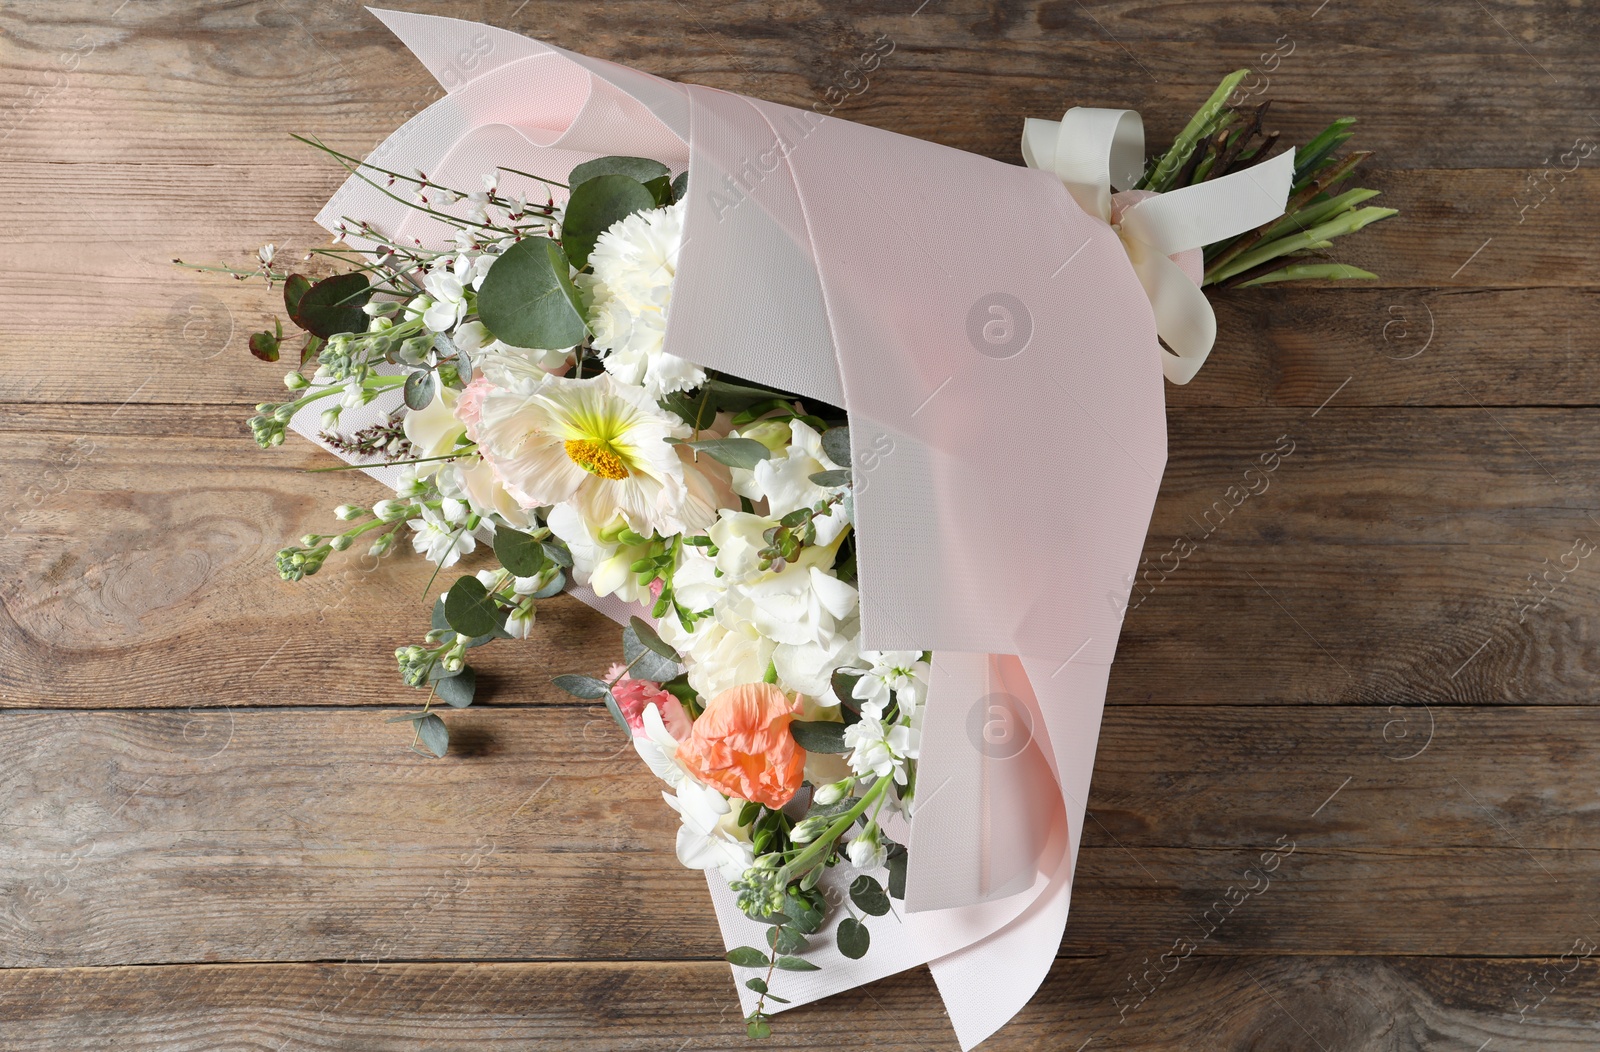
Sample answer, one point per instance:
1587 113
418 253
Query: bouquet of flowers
497 353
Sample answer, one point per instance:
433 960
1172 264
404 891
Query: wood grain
271 835
1386 558
1346 1003
1354 656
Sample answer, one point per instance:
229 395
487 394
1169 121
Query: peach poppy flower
741 745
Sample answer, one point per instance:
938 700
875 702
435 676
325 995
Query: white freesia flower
600 564
596 444
709 838
901 671
438 540
658 748
785 482
447 301
634 263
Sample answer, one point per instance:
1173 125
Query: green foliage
470 610
518 552
853 938
329 307
594 207
818 736
868 896
748 957
734 452
528 299
420 387
640 169
433 734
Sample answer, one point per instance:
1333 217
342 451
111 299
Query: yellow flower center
596 459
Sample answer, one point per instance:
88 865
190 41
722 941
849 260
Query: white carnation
634 263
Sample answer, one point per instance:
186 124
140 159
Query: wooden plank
1386 558
223 87
165 334
283 835
1375 1004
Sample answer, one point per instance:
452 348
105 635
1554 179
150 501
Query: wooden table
1385 658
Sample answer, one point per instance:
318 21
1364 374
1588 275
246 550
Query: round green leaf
641 169
854 939
434 734
594 207
680 186
331 306
469 610
457 690
420 388
518 552
796 964
528 299
868 896
264 345
786 940
836 444
294 287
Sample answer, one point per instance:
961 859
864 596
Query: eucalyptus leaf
819 736
457 690
661 189
616 714
836 444
528 299
734 452
748 957
420 388
294 287
844 684
868 896
680 186
264 345
641 169
806 911
558 554
586 687
332 305
646 634
469 609
405 717
758 984
518 552
796 964
552 586
732 396
434 734
853 938
829 479
595 206
787 940
897 872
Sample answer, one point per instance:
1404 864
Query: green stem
802 862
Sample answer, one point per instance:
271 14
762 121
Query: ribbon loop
1093 150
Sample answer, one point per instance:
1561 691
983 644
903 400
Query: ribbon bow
1092 150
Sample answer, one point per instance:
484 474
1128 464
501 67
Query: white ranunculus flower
594 443
801 604
629 291
720 657
709 839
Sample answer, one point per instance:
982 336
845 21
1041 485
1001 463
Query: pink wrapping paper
998 359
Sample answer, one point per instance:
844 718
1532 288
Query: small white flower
438 541
266 252
447 303
658 748
901 671
708 838
877 750
519 624
410 483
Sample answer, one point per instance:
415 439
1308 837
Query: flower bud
866 851
295 381
381 546
342 542
389 510
831 793
346 512
809 829
330 417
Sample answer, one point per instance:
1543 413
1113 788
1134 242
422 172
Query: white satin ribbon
1094 150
